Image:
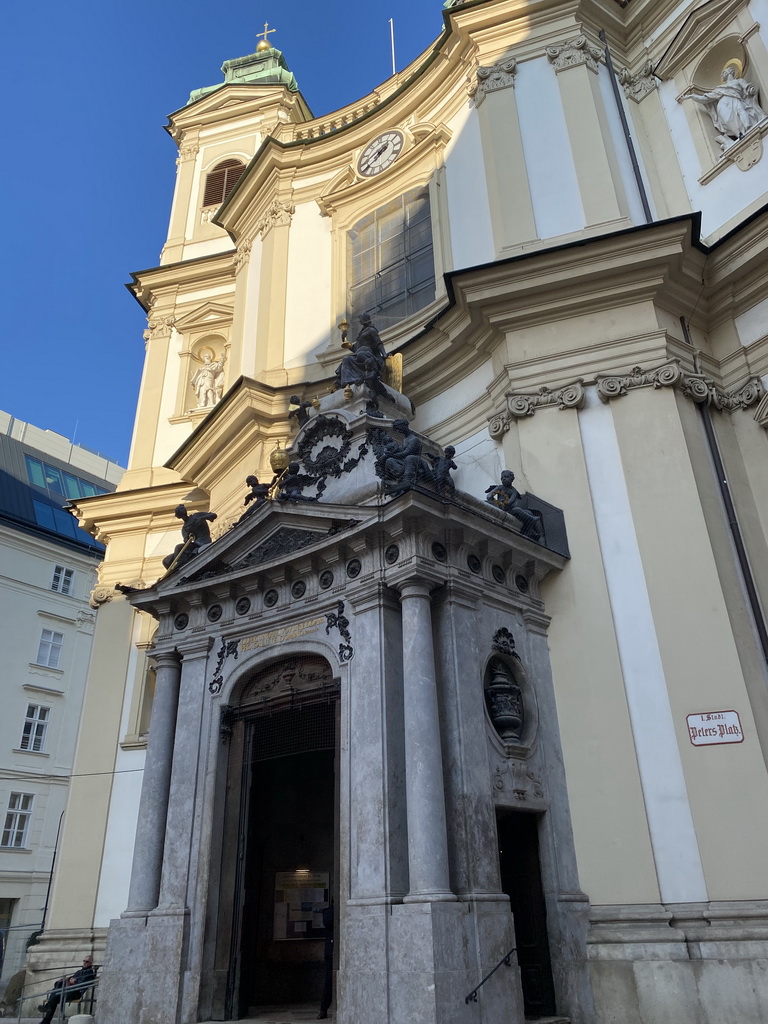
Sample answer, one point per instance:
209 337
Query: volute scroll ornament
278 214
500 75
573 53
639 84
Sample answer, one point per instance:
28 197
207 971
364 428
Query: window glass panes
390 263
17 821
59 482
49 648
62 579
72 486
35 473
35 726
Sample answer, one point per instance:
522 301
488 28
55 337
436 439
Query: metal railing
505 961
83 992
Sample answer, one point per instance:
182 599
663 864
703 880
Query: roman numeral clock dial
380 153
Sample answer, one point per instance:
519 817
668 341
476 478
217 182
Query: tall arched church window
221 180
390 262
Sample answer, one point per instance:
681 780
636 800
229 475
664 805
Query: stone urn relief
504 700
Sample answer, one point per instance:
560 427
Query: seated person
72 988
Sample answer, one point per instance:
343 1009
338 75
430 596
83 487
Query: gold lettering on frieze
282 635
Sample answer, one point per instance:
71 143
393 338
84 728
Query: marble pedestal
414 963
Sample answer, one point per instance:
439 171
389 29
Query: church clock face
380 153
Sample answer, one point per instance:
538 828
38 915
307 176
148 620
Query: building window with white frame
49 649
390 260
17 821
63 579
35 728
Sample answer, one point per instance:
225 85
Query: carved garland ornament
573 53
694 386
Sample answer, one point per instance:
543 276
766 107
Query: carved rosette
278 214
500 75
242 254
573 53
640 84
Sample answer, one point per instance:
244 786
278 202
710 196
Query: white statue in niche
732 106
208 380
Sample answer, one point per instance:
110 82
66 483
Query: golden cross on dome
265 43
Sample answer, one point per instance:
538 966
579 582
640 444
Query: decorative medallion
214 613
392 554
270 599
354 568
298 589
438 552
324 449
243 605
181 621
498 574
474 563
521 582
325 579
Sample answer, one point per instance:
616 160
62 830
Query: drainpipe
730 510
627 133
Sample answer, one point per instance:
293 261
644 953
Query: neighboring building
48 567
409 700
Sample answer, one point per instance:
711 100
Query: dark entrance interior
286 856
521 881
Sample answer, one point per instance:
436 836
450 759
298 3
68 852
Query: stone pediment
271 534
696 35
208 316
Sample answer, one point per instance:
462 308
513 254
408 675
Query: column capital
414 588
195 647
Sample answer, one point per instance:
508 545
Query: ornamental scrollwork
761 412
159 327
612 386
228 647
338 620
573 53
640 84
694 386
242 254
500 75
188 151
525 403
278 214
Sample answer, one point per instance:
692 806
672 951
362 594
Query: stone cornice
697 387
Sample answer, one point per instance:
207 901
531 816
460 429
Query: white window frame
49 648
35 728
17 819
63 580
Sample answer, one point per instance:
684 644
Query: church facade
512 731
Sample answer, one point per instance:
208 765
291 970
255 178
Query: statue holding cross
264 43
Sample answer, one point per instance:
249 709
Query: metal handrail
505 960
65 991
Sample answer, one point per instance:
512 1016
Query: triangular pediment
273 533
696 35
209 315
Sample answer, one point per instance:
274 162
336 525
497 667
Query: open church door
280 848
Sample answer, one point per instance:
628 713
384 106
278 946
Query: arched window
390 264
221 180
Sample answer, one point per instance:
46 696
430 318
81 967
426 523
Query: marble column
150 831
427 837
183 805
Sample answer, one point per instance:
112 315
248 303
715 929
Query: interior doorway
520 865
283 841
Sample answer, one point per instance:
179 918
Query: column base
415 963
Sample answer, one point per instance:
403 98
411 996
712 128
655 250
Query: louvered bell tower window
221 181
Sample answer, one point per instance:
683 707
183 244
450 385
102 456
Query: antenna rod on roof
392 38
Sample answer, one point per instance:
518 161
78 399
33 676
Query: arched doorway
280 847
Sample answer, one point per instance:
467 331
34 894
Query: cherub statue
507 497
292 484
195 535
441 470
257 495
299 410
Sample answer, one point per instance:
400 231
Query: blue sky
88 171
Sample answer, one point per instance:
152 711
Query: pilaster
275 228
186 164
